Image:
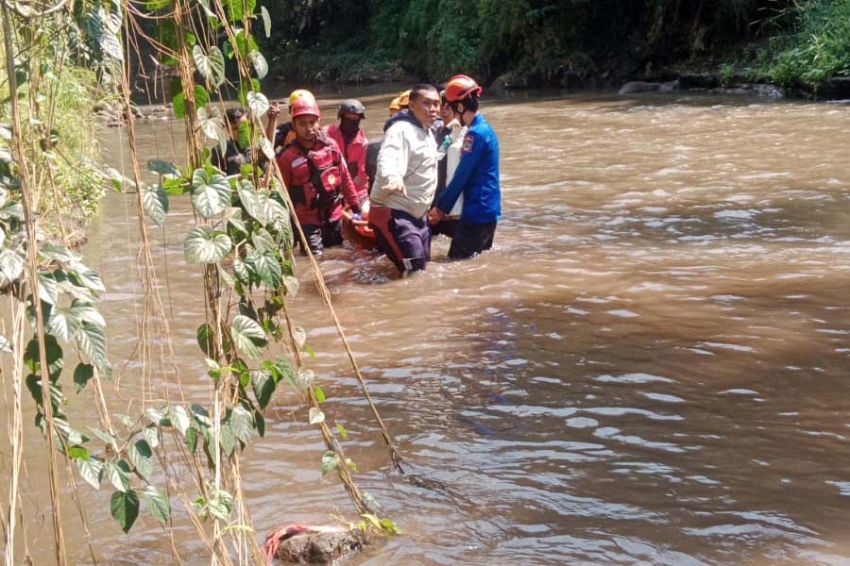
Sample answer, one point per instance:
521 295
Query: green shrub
819 47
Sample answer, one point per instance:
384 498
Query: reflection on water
650 368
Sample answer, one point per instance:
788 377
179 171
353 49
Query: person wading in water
316 175
476 177
405 182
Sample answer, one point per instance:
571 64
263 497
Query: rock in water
319 546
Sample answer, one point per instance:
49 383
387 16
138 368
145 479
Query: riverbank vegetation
57 94
171 450
559 42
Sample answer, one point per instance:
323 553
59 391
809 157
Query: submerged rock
748 89
319 547
320 544
637 87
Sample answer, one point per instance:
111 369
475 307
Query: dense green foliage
536 42
818 46
541 39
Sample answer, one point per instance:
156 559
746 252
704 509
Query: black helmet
353 106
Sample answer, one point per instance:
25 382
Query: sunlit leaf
206 5
192 440
212 123
227 439
11 267
91 471
247 336
255 202
372 520
151 436
258 103
210 193
105 437
266 266
58 253
179 418
316 415
291 284
86 312
91 340
205 245
78 453
266 147
140 454
242 422
267 21
158 503
63 324
124 507
263 385
300 336
155 204
87 278
330 461
261 66
48 289
110 33
305 378
210 64
242 271
118 474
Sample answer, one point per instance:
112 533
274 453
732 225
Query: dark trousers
470 239
445 227
404 238
327 235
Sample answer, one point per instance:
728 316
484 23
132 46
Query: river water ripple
651 367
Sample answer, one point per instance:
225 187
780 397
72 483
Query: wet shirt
476 176
354 151
409 156
232 160
297 167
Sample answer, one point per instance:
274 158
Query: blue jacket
477 176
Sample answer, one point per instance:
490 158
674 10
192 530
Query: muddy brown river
652 367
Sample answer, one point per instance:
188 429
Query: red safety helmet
303 106
460 87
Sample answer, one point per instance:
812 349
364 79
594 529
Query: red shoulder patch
468 140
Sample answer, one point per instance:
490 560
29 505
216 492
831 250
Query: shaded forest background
558 42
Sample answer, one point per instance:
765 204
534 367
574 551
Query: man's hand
274 111
395 187
435 215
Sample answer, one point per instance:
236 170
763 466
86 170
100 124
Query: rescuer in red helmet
476 176
317 177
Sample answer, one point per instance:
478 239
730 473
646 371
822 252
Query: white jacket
453 159
408 155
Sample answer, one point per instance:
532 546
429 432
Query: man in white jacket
406 181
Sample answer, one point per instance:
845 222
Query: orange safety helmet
306 105
460 87
299 95
400 102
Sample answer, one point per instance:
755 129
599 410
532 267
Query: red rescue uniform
318 181
354 152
